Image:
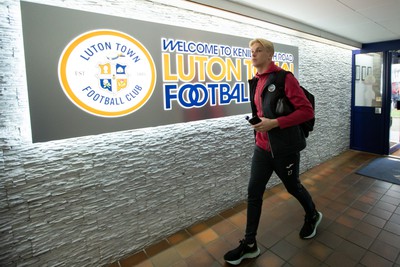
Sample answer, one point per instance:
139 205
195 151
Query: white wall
90 201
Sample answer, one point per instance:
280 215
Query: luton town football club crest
107 73
112 76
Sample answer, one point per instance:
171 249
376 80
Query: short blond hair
269 46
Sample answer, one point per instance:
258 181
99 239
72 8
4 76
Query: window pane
368 80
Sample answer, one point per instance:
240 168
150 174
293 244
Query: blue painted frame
376 140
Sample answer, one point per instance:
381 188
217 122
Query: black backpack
283 103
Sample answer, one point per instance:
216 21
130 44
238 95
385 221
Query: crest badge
271 88
107 73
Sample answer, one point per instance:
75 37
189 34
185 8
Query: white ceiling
359 21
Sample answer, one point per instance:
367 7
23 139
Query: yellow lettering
286 66
250 70
232 69
181 69
291 67
201 60
210 72
199 67
166 63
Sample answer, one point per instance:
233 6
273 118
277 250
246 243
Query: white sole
245 256
315 229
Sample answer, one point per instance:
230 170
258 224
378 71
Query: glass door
367 118
394 133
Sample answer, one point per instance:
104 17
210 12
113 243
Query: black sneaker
310 226
243 251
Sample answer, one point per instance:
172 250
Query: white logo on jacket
271 88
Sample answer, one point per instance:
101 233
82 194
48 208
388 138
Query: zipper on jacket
261 105
270 146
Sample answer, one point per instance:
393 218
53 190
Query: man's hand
265 125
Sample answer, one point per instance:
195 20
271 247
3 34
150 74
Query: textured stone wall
92 200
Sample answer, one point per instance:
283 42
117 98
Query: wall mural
90 73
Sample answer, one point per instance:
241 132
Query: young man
278 142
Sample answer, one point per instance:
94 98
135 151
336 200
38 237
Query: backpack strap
279 82
280 77
281 104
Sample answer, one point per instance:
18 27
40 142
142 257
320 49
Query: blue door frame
370 126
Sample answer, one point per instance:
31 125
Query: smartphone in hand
253 120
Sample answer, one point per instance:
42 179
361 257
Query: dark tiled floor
361 225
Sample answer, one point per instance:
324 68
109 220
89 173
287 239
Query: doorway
368 104
375 115
394 132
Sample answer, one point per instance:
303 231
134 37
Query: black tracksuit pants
287 169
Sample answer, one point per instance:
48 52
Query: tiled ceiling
361 21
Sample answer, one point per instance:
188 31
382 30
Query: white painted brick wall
90 201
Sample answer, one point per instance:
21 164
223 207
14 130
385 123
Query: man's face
260 57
